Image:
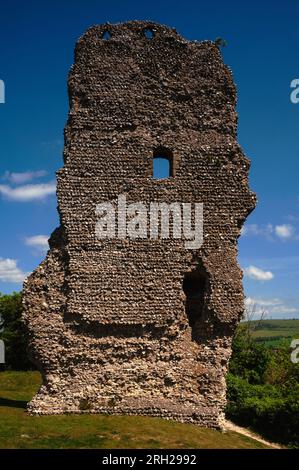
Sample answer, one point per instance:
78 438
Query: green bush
12 332
263 390
249 360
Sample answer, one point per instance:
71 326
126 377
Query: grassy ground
18 430
275 332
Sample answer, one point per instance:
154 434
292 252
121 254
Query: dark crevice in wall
195 286
98 330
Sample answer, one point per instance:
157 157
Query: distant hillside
274 332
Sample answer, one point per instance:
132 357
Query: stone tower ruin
144 326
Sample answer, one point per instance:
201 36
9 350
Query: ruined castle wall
108 320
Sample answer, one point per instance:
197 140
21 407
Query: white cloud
9 271
258 230
257 274
250 301
271 232
256 307
40 242
24 177
28 192
285 231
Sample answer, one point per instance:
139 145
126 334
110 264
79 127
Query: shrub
12 332
263 390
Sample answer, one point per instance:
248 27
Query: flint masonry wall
142 326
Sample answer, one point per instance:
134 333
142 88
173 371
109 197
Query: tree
12 332
263 385
249 360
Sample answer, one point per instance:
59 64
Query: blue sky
36 51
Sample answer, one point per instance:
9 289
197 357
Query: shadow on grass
13 403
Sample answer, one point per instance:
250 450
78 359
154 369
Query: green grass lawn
20 431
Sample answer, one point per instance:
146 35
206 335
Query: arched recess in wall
163 164
195 285
106 35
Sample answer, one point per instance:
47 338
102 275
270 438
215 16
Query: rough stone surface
142 326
